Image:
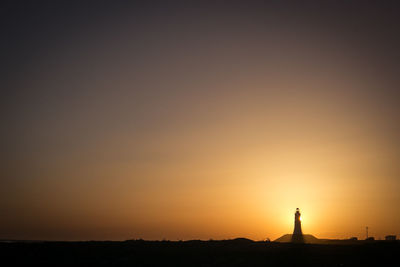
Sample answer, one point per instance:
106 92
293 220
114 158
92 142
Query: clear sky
199 120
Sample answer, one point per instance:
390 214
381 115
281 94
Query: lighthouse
297 236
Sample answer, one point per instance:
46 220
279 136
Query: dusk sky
198 120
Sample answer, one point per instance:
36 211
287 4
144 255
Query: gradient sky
199 120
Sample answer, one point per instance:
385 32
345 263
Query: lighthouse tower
297 236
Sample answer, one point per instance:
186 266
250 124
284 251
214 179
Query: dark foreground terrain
238 252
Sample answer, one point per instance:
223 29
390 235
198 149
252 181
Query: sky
199 120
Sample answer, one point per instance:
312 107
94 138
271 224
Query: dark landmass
310 239
237 252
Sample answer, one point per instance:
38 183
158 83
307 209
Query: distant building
297 236
390 237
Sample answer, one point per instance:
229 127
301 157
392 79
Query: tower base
297 238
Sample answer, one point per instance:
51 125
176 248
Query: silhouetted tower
297 236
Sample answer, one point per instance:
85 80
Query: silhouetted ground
238 252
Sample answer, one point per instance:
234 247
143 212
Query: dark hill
309 239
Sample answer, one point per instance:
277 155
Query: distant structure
366 230
390 237
297 236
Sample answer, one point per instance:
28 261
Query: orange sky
165 127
